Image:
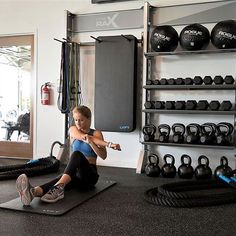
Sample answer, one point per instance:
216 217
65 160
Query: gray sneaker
25 189
54 194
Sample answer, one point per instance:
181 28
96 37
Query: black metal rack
147 64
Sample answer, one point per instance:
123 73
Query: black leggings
83 174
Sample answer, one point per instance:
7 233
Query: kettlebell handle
181 127
154 157
149 129
193 128
204 129
189 160
170 157
224 161
202 157
219 129
165 127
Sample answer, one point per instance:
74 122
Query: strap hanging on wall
69 88
115 76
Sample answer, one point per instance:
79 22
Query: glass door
16 111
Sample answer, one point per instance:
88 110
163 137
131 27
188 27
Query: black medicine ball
164 38
223 35
194 37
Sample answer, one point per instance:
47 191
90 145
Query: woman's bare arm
78 134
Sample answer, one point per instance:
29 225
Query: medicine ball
164 38
194 37
223 35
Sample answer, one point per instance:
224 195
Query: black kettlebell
223 168
203 171
208 131
185 170
223 133
168 170
178 132
152 169
149 132
164 132
193 132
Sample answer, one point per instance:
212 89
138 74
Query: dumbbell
198 80
159 105
193 133
229 79
202 105
170 105
164 133
218 79
149 132
178 130
191 105
171 81
225 106
149 104
188 81
163 81
180 105
156 82
207 80
214 105
149 82
179 81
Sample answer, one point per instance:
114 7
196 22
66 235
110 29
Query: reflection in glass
15 74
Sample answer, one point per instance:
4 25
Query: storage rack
148 56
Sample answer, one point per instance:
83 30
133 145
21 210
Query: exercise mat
73 198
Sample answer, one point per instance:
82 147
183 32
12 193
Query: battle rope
191 194
32 168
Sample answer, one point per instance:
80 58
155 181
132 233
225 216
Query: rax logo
108 21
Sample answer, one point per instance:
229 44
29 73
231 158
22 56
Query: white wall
46 19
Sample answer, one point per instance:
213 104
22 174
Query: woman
81 170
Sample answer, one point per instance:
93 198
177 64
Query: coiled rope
196 193
32 168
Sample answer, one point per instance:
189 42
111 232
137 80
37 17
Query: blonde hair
85 111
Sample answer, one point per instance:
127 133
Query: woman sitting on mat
81 170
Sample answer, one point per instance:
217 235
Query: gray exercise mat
72 199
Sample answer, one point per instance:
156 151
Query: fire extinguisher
45 94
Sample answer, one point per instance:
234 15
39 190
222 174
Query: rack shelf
213 51
189 112
190 87
189 145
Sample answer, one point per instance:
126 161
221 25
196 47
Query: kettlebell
149 132
223 168
193 131
185 170
203 171
164 132
223 133
152 169
178 132
168 170
208 131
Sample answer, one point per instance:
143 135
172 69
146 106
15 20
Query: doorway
16 110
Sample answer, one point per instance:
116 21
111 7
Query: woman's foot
54 194
25 189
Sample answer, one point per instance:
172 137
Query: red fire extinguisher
45 94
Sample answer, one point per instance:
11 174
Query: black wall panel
115 76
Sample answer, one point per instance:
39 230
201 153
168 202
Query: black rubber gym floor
120 210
